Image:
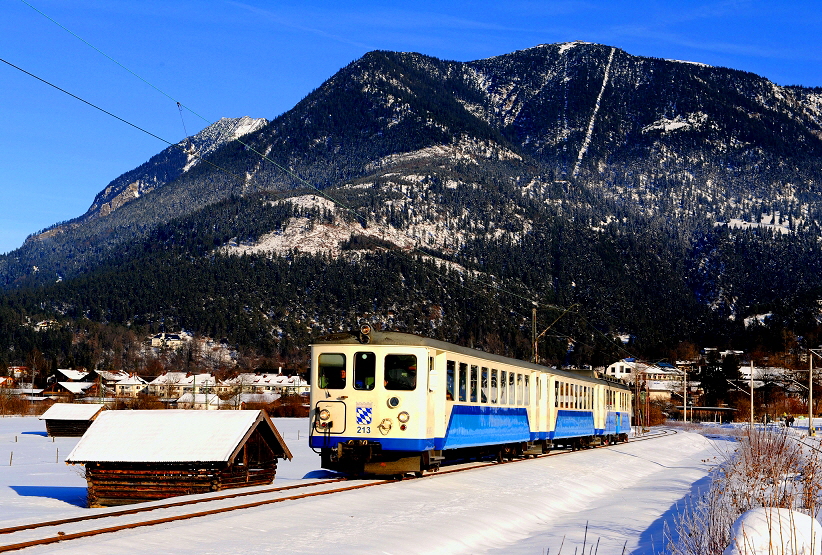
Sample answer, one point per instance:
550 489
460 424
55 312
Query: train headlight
403 417
393 402
324 415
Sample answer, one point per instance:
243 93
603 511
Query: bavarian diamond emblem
364 414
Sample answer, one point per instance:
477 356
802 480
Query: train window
365 367
331 371
400 372
474 388
520 390
556 394
494 385
527 397
463 372
512 389
449 380
484 385
503 387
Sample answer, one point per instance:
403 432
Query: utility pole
534 334
752 396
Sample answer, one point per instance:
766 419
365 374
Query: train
391 404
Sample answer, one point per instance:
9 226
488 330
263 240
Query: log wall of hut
67 428
111 484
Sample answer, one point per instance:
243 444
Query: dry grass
768 469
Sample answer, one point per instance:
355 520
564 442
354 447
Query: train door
437 394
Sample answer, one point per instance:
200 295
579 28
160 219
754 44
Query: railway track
15 538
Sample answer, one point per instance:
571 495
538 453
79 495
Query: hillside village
222 388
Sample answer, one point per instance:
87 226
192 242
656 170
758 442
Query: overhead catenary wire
115 116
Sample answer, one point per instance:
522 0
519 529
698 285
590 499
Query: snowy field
625 494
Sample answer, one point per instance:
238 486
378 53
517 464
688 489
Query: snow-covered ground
624 493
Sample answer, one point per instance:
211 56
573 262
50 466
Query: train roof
384 338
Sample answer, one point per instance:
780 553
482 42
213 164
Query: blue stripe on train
573 423
471 426
617 423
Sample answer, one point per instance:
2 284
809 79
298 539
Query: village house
131 386
167 340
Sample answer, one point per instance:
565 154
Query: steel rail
135 510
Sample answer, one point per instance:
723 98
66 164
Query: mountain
668 199
160 170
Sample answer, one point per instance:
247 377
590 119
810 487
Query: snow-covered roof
76 387
253 398
74 375
171 378
168 436
71 411
112 375
200 399
132 380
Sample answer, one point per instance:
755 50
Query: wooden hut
70 419
142 455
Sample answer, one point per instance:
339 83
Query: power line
115 116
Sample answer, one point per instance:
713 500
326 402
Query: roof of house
112 375
200 399
132 380
170 378
71 411
74 375
77 387
169 436
253 398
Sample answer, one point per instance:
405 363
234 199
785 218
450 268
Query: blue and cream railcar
390 403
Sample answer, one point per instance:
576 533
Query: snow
700 64
584 148
772 531
164 435
625 494
71 411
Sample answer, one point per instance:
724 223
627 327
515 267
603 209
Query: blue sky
257 58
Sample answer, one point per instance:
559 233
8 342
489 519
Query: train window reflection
484 385
449 380
494 389
462 377
400 372
527 397
365 367
512 389
331 371
503 386
474 372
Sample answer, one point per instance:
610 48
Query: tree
714 378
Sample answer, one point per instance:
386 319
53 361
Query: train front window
400 372
331 371
365 367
